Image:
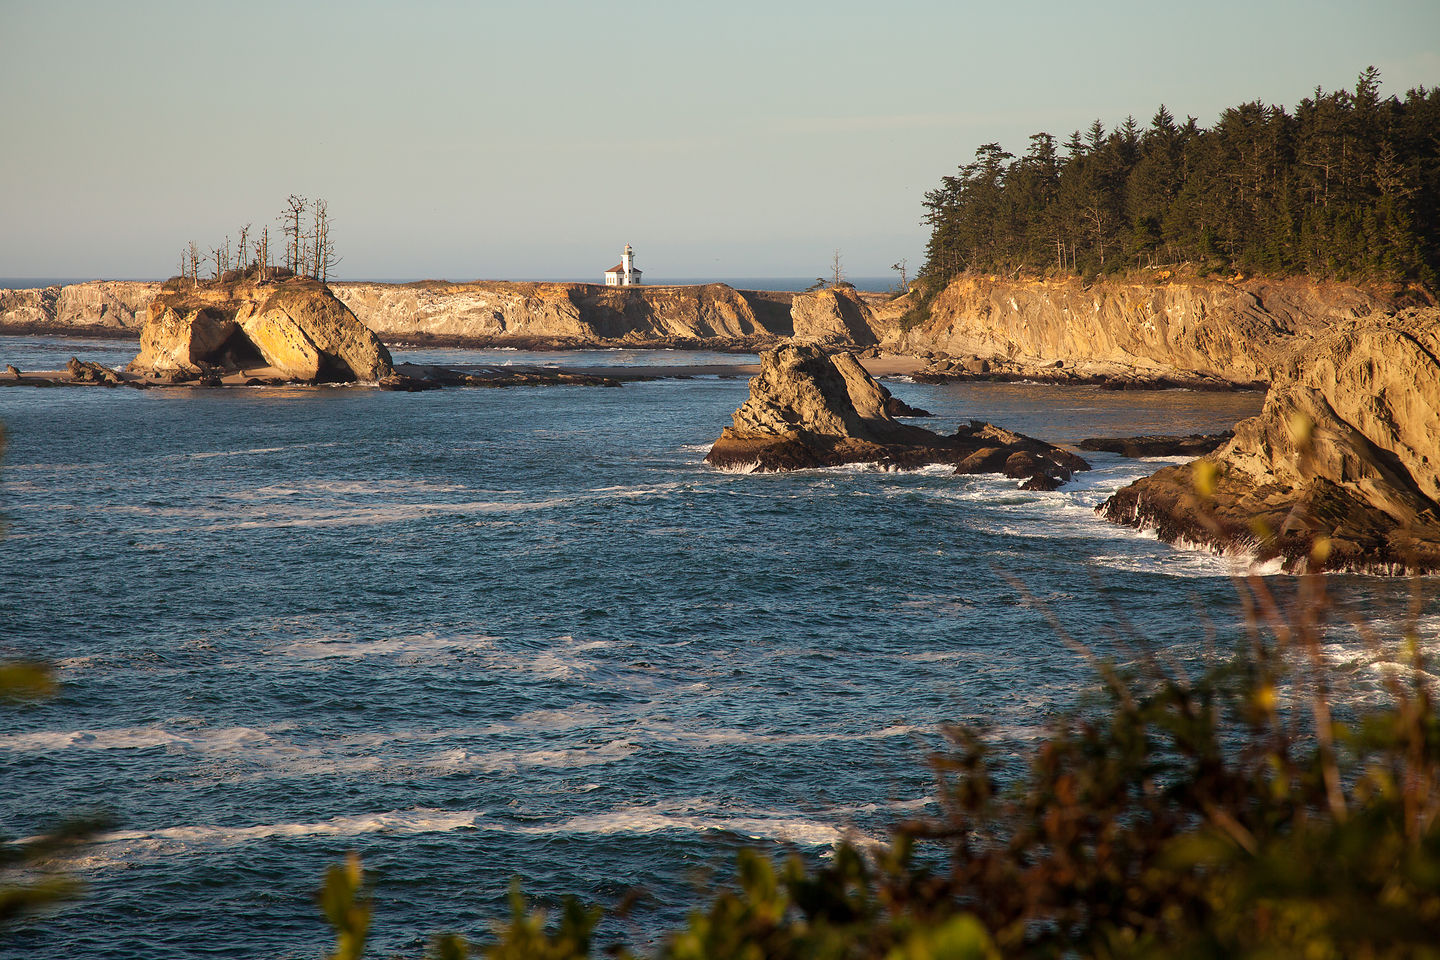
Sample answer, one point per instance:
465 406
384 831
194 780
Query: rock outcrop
1341 467
1184 330
840 316
295 326
809 409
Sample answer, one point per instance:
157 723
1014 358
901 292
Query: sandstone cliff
810 409
842 316
295 327
497 312
1342 464
100 305
1232 331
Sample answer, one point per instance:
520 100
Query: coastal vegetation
1346 185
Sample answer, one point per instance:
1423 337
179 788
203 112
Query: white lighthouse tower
624 273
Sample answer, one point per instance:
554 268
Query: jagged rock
1194 445
1342 463
807 409
295 326
88 371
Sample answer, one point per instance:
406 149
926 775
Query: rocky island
811 409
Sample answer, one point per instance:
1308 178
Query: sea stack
810 409
1340 470
295 327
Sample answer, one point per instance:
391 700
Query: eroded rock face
1345 456
295 326
1235 332
839 316
807 409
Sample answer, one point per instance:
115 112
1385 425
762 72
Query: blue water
473 634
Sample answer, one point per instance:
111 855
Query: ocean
477 634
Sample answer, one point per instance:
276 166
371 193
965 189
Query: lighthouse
624 273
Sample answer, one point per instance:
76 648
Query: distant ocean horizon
739 283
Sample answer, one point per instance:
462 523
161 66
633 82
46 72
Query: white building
624 273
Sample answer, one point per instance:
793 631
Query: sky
532 140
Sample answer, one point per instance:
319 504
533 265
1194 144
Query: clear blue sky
534 139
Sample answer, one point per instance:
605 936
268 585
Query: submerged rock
294 326
808 409
1341 468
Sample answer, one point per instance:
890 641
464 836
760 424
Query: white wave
702 818
400 822
222 740
730 737
741 468
512 761
256 451
413 647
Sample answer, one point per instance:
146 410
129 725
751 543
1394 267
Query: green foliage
345 902
1254 810
1347 185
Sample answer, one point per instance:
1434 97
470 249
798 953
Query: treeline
309 249
1347 185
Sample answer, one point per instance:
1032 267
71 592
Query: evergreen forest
1345 186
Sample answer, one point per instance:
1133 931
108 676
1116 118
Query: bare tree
836 273
244 249
215 254
262 253
194 262
325 259
904 276
292 221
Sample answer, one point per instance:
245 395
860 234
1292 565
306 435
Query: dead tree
244 249
837 275
262 253
325 259
292 221
194 262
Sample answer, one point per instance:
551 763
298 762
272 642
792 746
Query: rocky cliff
1341 467
1231 331
100 306
294 329
497 312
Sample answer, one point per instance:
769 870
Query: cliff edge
1233 331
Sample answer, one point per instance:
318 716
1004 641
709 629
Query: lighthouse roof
620 268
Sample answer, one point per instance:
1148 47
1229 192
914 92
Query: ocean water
478 634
